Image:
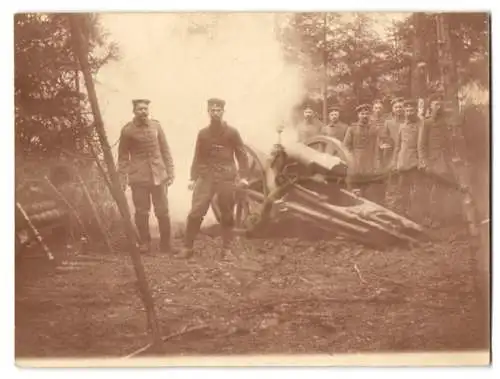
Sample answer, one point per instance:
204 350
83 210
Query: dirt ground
280 296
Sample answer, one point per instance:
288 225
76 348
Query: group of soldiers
402 141
378 144
145 164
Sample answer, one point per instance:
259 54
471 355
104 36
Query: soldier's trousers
411 197
142 197
204 191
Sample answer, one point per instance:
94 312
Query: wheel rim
331 146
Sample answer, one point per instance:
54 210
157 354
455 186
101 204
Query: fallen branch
35 232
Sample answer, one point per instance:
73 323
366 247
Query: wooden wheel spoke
238 211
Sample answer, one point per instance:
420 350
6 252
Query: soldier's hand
191 185
385 146
422 166
170 181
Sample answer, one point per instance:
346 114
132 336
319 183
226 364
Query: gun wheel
331 146
245 204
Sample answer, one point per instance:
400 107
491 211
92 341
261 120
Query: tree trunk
82 54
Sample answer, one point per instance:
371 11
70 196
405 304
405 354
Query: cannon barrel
314 161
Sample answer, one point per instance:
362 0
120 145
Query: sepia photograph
252 188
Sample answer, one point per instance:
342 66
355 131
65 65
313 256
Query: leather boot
142 225
165 234
192 229
227 238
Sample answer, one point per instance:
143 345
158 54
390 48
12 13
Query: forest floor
279 296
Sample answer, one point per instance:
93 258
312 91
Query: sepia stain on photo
252 189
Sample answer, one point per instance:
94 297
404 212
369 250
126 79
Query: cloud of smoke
232 56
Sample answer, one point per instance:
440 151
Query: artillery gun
307 181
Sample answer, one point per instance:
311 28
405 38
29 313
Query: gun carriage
308 182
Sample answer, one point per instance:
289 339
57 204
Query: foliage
362 65
469 39
49 102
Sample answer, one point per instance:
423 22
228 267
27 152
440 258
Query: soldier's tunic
336 130
145 162
406 156
306 130
378 121
406 146
363 142
435 148
434 144
384 156
214 171
393 124
143 154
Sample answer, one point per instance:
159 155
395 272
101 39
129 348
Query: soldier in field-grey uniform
145 163
335 127
214 172
310 126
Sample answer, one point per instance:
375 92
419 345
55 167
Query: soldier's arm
397 148
422 143
348 138
240 153
123 155
344 131
196 158
165 152
320 128
387 135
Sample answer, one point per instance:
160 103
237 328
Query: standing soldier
393 124
436 148
145 163
406 153
386 143
310 126
435 145
335 127
213 172
362 139
377 118
396 118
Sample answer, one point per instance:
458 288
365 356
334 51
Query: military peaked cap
410 103
397 100
138 101
214 101
363 107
